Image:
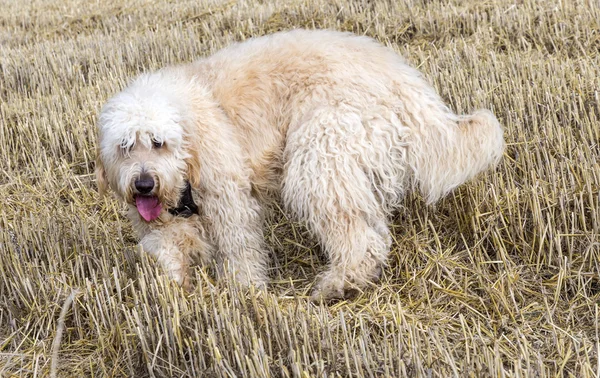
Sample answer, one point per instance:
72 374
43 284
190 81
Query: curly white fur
338 126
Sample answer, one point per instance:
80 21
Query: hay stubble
499 279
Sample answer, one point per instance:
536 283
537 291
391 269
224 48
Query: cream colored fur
336 126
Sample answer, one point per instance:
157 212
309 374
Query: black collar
186 207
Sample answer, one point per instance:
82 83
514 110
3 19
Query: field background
501 278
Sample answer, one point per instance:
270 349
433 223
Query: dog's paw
186 284
181 278
332 287
337 284
244 277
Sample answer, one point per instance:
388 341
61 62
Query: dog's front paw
252 278
332 286
182 278
243 275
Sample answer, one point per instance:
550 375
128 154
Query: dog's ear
193 168
101 179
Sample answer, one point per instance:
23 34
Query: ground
502 278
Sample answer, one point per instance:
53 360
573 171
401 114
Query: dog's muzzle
144 184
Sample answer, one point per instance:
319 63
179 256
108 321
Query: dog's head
143 152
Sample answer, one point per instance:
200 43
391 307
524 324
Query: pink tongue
148 207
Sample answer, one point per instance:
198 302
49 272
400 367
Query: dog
335 126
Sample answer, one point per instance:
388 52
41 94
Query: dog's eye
126 148
157 143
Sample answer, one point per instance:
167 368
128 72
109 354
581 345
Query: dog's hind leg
327 185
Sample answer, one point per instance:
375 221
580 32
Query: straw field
500 279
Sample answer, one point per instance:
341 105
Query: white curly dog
336 126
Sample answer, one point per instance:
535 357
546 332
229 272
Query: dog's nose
144 184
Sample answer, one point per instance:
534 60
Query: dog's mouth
149 207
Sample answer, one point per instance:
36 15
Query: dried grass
502 278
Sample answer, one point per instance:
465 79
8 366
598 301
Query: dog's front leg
166 252
235 226
174 244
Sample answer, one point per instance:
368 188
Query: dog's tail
448 155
